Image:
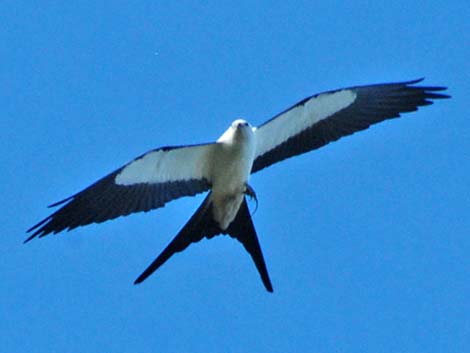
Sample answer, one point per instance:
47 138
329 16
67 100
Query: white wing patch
300 118
163 166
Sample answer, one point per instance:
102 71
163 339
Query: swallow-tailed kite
224 167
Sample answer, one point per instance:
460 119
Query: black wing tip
436 95
412 84
60 202
31 237
144 275
39 232
428 90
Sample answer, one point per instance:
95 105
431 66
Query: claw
252 194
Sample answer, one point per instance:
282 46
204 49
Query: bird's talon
252 194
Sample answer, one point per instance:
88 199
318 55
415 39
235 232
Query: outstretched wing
326 117
201 225
146 183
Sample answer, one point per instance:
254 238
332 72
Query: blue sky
366 240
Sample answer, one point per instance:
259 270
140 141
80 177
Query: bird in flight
224 167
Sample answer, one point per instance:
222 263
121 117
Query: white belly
231 170
225 208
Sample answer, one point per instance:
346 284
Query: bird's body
224 167
234 154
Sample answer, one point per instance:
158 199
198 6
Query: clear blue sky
367 240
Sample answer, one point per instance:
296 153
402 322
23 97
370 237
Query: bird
223 168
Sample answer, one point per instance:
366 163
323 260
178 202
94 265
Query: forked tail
201 225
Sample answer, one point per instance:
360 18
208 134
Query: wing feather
320 119
146 183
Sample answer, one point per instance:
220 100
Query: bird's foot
252 194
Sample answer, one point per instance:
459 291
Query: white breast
233 159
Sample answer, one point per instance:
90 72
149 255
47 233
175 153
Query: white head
238 129
239 123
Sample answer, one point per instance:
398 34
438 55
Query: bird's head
241 129
240 124
238 129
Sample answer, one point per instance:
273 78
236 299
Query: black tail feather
201 225
191 232
243 229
